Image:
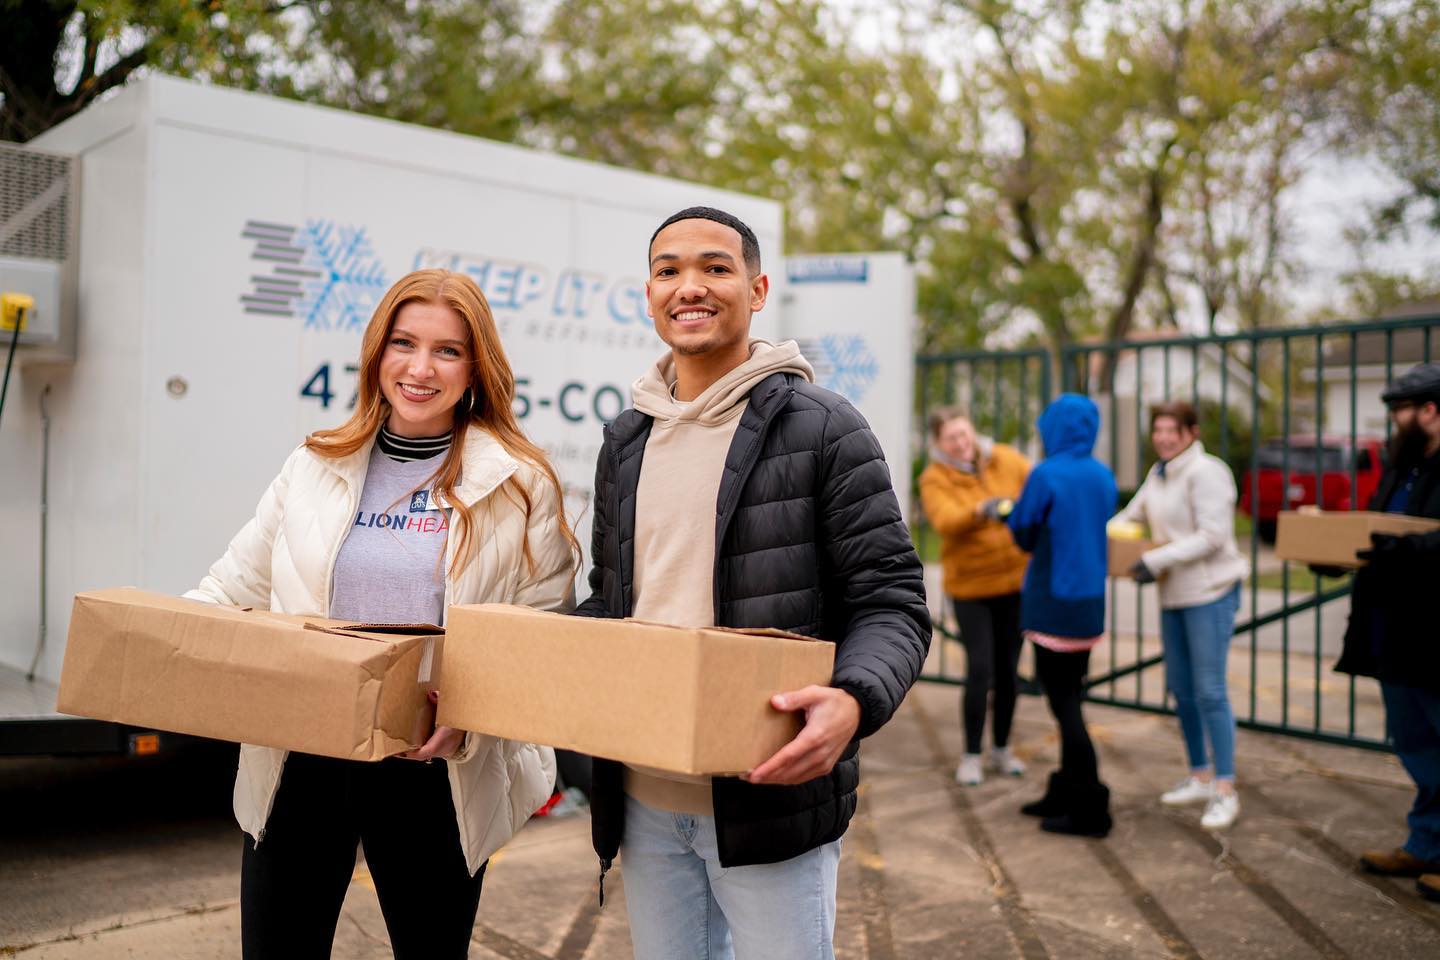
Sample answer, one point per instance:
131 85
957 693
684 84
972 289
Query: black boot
1088 816
1056 800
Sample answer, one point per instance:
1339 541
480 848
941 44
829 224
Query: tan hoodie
675 510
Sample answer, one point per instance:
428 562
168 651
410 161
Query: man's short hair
749 246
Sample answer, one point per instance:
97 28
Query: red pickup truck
1337 461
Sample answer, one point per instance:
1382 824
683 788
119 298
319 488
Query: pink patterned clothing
1063 644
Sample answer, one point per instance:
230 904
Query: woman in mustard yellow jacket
963 490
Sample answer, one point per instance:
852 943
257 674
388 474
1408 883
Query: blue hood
1070 425
1060 520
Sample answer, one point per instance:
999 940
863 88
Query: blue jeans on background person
1197 647
1412 717
684 906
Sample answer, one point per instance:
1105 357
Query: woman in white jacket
429 495
1188 500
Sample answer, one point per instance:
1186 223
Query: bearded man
1394 631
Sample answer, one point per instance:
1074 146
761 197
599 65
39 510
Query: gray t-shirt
391 568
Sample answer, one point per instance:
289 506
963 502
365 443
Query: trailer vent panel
35 204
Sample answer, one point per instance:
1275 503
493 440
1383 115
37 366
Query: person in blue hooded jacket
1060 520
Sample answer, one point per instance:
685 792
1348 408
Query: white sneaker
1190 790
1221 811
1003 761
969 773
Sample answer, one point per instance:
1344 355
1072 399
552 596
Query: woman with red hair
429 495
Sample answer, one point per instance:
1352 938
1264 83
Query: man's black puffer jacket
1391 633
809 538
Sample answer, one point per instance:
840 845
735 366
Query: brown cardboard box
1330 538
1122 555
299 683
688 701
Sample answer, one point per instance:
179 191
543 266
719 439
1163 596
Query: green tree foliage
1057 169
56 56
1149 145
466 65
1383 101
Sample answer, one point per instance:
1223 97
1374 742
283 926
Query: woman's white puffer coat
1191 512
283 560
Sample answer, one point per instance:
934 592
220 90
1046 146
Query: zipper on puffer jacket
622 606
727 512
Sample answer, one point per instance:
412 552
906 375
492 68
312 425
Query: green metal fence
1299 406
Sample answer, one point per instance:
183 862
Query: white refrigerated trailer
202 263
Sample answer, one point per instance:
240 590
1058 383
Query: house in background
1379 357
1147 375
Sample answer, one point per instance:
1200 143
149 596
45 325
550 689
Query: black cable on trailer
10 358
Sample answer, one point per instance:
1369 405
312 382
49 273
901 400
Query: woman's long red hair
492 383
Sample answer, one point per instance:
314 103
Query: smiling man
737 493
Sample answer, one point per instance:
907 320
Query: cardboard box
1331 537
684 700
1123 554
299 683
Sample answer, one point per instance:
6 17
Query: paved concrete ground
99 864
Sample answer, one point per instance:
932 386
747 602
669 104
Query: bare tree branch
91 87
92 52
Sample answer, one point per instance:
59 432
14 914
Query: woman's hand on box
1141 573
831 718
443 743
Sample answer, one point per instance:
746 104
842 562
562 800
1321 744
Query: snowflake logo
325 273
842 363
350 280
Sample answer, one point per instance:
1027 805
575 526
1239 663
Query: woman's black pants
293 883
990 631
1063 677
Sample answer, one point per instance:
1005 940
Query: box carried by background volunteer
354 691
1126 543
691 701
1122 555
1331 537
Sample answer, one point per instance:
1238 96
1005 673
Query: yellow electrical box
15 309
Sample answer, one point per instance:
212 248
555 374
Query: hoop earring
470 401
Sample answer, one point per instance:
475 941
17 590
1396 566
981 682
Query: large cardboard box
357 692
1123 554
683 700
1331 537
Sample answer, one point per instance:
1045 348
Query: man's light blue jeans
684 906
